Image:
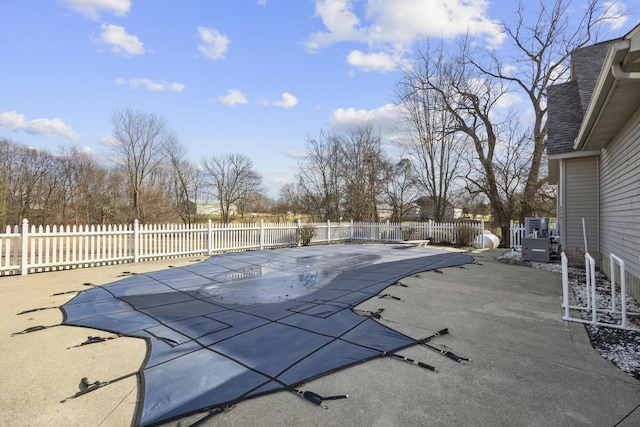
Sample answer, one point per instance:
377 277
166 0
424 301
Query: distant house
209 208
424 209
594 153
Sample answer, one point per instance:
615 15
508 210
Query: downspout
561 208
619 74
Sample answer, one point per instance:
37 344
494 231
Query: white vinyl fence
29 249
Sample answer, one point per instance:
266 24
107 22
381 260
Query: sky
257 77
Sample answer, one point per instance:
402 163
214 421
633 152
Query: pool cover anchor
316 398
94 340
86 387
373 314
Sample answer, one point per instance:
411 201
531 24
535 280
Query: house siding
620 202
581 201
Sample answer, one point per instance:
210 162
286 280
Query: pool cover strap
446 353
86 387
33 329
317 399
94 340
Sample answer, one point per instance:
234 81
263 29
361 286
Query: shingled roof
568 102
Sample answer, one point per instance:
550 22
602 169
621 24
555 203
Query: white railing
592 296
30 249
517 232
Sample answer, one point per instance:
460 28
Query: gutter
603 89
619 74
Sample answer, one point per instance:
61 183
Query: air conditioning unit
536 227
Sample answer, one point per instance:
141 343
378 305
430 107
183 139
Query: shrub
409 233
307 232
464 235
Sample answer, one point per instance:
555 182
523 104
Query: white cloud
385 118
508 100
233 97
509 70
371 61
108 140
214 45
287 101
344 117
92 9
120 42
296 154
393 25
339 19
404 20
262 2
151 86
87 150
614 14
44 127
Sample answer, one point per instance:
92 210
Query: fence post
351 230
261 242
388 233
565 285
482 232
136 243
209 237
328 231
511 235
298 232
25 246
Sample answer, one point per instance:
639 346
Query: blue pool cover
243 324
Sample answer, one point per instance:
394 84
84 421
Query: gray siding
620 198
581 201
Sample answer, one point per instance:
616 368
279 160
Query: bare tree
400 189
469 82
91 193
81 180
9 157
288 200
231 178
33 173
470 101
254 202
107 202
184 182
511 163
364 164
140 147
431 140
539 45
319 177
